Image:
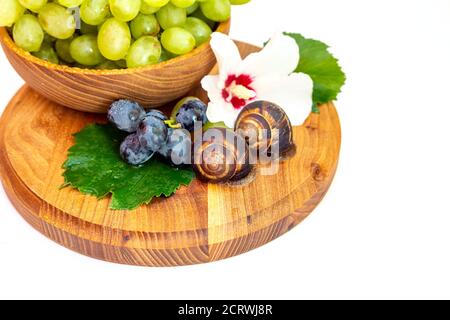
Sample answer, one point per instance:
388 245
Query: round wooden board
200 223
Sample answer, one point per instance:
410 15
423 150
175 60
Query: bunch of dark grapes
154 133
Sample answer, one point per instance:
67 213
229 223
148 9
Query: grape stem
173 124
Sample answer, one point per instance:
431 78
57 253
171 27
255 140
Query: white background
383 231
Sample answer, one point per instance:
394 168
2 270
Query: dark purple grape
158 114
126 115
152 133
133 153
178 147
191 111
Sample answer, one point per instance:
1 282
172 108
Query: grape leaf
317 62
94 167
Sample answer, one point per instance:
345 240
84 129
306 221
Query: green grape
121 64
183 3
63 63
239 2
178 40
84 50
28 34
156 3
48 38
70 3
62 48
107 65
171 16
199 14
146 9
216 10
199 29
33 5
125 10
166 55
144 25
114 39
57 21
81 66
47 53
193 8
144 51
10 12
87 28
94 12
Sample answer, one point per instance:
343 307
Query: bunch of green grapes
112 34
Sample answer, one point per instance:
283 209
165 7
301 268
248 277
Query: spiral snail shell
266 127
222 156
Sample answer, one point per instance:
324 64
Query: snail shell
222 156
264 125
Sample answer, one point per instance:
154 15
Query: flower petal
227 54
211 85
220 110
279 57
292 93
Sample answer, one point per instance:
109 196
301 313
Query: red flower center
238 90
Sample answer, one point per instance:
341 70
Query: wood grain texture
94 90
200 223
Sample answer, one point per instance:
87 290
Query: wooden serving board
200 223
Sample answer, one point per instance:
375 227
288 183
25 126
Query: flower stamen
238 90
242 92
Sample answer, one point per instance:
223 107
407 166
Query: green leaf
94 167
317 62
211 125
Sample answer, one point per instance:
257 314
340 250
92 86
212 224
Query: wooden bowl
94 90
